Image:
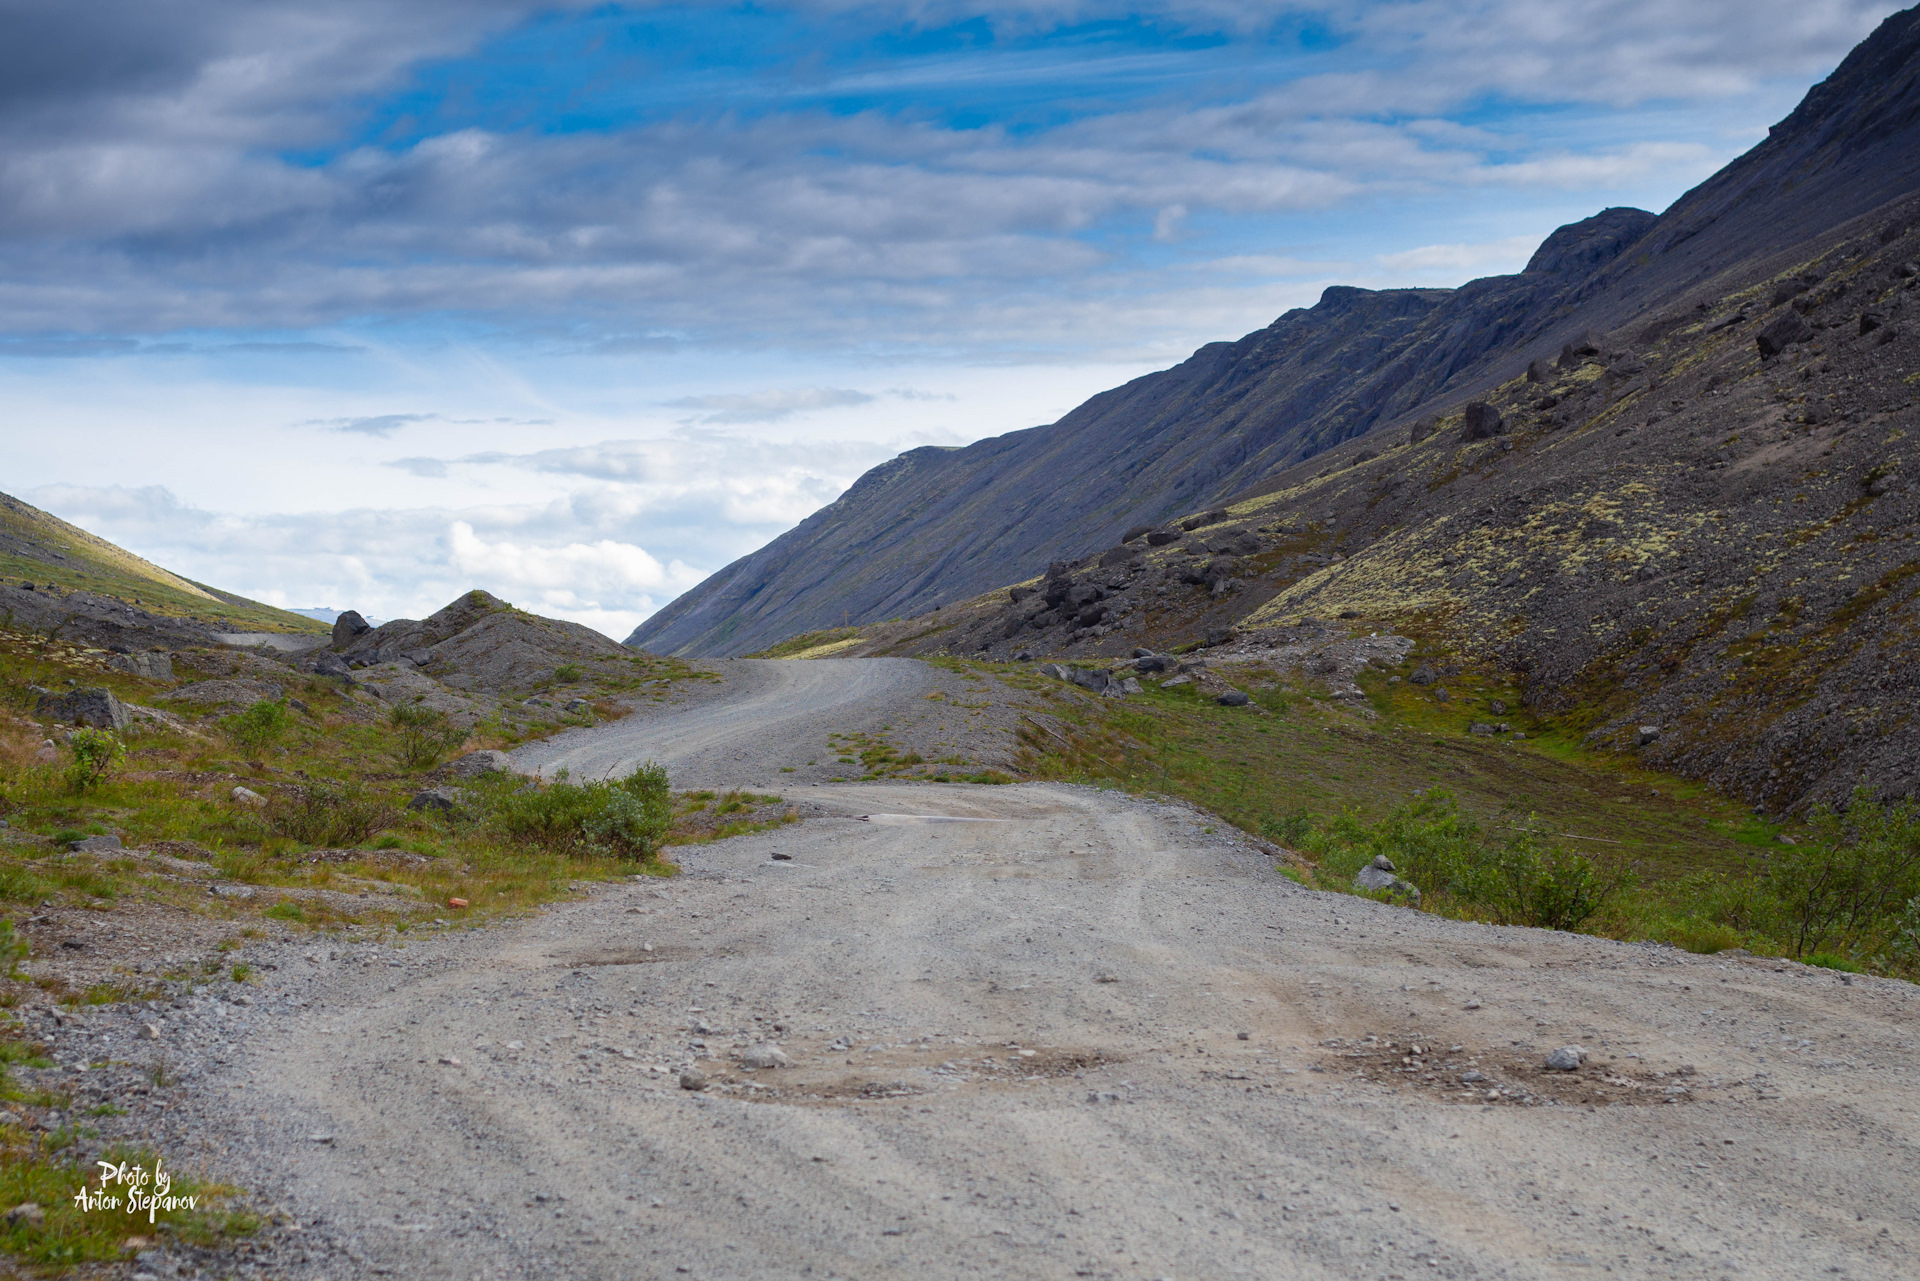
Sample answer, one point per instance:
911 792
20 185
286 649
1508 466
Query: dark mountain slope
940 525
1686 528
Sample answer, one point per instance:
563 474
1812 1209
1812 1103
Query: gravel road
1046 1031
767 714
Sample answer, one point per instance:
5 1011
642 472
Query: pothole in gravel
631 956
914 820
995 1067
1455 1073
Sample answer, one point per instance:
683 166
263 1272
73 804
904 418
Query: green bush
329 814
567 673
1289 830
260 726
628 817
637 814
425 736
1854 882
94 752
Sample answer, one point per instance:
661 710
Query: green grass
806 641
1547 819
336 780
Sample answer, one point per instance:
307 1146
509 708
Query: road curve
772 711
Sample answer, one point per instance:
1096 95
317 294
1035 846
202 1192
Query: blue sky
363 304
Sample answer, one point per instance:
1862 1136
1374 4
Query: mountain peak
1585 246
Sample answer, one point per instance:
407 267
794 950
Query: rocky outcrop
95 707
476 643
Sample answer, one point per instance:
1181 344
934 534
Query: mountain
935 526
57 576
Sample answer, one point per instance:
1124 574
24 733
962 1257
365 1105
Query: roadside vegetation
1537 831
330 836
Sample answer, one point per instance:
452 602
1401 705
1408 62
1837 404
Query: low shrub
628 817
94 753
259 726
1853 882
329 814
425 736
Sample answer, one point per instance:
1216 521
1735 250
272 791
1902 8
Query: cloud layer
277 166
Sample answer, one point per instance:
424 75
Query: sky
364 304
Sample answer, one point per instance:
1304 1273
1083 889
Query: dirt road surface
766 714
1042 1031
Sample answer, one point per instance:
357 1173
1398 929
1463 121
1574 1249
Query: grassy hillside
40 548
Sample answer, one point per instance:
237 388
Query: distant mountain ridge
935 526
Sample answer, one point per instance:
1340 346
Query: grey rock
578 705
1150 663
763 1056
1648 734
1473 1077
1539 371
97 845
692 1080
1379 875
1440 694
1479 727
94 705
1783 333
1565 1059
1138 531
1497 707
1173 681
327 663
475 764
247 796
1481 422
442 799
349 626
147 665
1423 675
1162 537
1233 698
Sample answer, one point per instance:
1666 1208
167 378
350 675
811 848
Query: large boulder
95 706
1379 875
349 627
1781 334
1482 422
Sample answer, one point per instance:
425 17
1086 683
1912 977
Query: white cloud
767 406
1493 257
